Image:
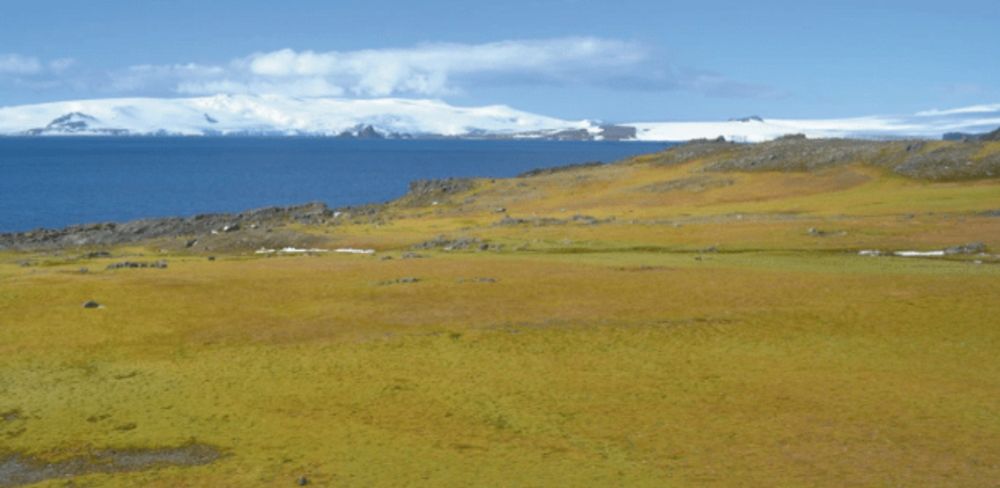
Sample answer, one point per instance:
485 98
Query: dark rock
617 132
428 192
137 265
91 304
559 169
964 137
752 118
400 281
535 221
109 234
302 481
970 248
446 244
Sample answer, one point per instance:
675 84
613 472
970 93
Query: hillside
796 313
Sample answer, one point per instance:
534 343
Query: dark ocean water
54 182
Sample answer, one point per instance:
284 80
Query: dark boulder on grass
970 248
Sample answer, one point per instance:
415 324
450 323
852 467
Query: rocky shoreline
918 159
250 228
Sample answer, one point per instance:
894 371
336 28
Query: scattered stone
412 255
400 281
211 258
559 169
435 192
191 228
97 254
478 279
825 233
191 243
302 481
970 248
449 244
10 415
91 304
137 265
500 209
385 258
84 270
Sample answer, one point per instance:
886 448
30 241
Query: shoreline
915 159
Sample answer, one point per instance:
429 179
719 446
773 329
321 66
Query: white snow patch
919 254
290 250
349 250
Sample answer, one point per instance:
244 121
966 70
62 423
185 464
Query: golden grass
601 355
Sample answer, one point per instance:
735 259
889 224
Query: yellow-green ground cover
616 354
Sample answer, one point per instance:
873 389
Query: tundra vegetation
713 315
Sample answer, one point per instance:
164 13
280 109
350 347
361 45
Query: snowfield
934 124
277 115
281 115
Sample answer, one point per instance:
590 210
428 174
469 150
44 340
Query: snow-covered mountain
393 117
277 115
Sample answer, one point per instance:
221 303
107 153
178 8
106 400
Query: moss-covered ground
702 337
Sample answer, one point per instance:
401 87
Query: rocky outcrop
559 169
109 234
434 192
912 158
962 136
75 123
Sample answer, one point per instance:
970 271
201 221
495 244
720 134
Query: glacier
278 115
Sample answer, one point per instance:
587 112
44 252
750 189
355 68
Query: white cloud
19 65
424 70
431 69
16 64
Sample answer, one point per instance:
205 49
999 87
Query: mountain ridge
272 115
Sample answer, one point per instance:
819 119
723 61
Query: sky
621 61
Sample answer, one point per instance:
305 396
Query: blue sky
618 61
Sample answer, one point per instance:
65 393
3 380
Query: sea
53 182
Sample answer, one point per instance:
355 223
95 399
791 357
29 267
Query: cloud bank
19 65
424 70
